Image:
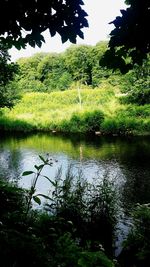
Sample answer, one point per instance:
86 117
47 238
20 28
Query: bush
6 124
46 239
91 208
12 199
31 85
94 259
120 125
137 245
137 96
93 120
84 122
18 247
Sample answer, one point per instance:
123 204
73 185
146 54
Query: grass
61 111
62 232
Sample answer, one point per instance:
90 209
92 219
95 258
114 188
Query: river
123 159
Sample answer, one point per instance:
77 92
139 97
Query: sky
100 13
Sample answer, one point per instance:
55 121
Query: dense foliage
49 72
65 234
100 111
130 39
136 250
81 65
94 99
28 21
137 84
77 66
76 226
8 87
25 21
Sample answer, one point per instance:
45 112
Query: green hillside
100 110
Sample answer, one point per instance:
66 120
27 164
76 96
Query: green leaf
37 200
36 167
42 159
27 173
53 183
39 167
47 197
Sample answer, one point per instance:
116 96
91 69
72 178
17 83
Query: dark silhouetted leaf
27 173
37 200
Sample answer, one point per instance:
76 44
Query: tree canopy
79 66
130 39
8 93
23 22
51 71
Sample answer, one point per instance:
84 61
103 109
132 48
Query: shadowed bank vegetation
67 231
75 227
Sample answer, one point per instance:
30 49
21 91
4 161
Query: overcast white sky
100 12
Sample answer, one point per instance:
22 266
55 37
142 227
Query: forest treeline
73 92
47 72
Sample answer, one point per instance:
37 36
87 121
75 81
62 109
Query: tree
52 72
8 92
78 63
136 84
23 22
47 72
6 71
99 74
28 78
130 40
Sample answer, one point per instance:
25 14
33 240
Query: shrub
6 124
91 208
93 120
120 125
89 121
94 259
137 245
47 239
137 96
12 199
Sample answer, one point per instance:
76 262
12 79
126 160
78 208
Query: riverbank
100 111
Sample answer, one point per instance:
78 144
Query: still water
125 160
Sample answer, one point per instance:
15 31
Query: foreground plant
136 249
37 174
43 240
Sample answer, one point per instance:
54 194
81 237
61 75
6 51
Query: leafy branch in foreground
28 20
129 41
136 249
37 174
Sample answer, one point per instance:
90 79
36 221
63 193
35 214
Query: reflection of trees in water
136 169
136 188
132 156
10 164
127 159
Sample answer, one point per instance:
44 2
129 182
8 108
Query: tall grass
100 110
41 238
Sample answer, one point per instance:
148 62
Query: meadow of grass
100 110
